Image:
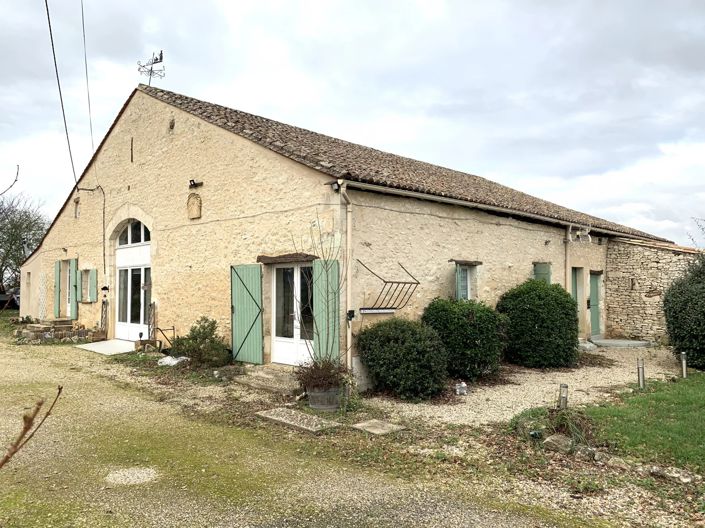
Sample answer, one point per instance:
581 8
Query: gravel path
533 388
208 474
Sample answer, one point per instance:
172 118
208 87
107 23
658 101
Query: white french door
133 299
292 314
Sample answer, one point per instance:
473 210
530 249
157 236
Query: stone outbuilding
292 240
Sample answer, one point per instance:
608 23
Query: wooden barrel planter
324 400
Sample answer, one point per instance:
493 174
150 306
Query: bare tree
17 177
29 427
22 227
331 282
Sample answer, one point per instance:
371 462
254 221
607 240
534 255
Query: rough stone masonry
638 275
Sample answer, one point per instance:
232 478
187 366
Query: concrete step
620 343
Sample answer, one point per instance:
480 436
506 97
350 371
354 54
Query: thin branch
28 429
17 177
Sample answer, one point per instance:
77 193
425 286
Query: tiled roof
342 159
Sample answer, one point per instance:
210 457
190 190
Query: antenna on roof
148 68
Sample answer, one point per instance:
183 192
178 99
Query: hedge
543 325
404 357
472 333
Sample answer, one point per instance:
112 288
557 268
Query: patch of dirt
131 476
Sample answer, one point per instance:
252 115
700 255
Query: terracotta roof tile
342 159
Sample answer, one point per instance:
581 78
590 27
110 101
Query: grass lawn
6 328
665 424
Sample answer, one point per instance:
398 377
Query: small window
465 281
77 208
542 271
135 233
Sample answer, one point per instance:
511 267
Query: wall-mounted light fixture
335 186
192 184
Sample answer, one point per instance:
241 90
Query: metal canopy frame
394 295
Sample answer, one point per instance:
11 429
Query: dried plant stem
28 427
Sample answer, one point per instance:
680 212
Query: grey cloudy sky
597 105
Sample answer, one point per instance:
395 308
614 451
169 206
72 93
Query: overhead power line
61 97
88 89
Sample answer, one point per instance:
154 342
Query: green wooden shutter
57 289
326 309
542 271
458 290
79 286
73 272
93 285
246 298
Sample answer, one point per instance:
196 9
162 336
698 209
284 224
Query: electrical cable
61 97
85 65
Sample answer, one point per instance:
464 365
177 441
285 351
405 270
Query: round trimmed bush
684 307
202 345
472 333
543 325
404 357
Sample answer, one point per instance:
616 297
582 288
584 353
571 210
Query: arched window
134 233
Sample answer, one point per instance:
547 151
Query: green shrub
404 357
202 345
543 325
472 333
684 307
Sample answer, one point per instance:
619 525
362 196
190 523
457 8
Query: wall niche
193 205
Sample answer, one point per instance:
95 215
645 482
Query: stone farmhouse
292 240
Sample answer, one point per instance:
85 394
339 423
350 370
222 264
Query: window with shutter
542 271
465 281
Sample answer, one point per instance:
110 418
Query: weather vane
148 67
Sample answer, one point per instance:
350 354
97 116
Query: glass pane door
305 304
135 294
122 296
284 307
147 293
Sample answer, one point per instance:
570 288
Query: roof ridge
340 158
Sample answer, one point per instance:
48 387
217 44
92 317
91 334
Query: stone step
298 420
38 327
55 322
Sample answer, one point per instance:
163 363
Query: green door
574 285
246 295
595 279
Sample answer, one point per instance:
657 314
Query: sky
596 105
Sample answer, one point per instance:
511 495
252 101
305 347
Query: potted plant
323 380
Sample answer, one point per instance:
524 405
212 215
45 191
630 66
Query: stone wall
253 202
638 274
426 237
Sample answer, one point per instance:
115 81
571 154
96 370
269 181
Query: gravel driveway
533 388
199 473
